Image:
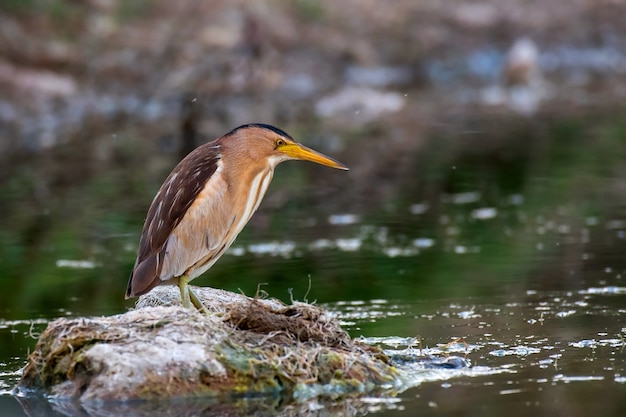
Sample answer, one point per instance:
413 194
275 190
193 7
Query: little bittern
205 202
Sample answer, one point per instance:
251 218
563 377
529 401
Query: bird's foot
188 297
197 302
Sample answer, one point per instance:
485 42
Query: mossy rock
246 346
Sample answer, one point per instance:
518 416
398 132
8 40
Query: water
539 350
496 240
529 290
546 352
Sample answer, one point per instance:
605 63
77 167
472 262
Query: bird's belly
209 244
253 197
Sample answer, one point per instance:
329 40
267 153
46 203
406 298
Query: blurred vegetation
18 6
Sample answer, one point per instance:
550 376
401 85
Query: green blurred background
440 112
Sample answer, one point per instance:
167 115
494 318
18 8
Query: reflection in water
76 264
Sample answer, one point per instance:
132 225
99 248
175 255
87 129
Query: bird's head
266 142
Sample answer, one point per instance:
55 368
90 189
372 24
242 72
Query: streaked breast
212 223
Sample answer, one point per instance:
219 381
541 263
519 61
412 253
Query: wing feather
171 203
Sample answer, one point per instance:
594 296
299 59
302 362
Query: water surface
530 295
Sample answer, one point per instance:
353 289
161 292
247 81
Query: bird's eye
280 143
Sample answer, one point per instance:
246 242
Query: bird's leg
197 302
188 297
183 285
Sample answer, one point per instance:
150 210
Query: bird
205 202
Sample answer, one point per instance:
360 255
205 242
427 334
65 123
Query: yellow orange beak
297 151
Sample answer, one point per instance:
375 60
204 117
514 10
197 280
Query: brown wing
174 198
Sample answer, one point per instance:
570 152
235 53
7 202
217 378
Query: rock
246 346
